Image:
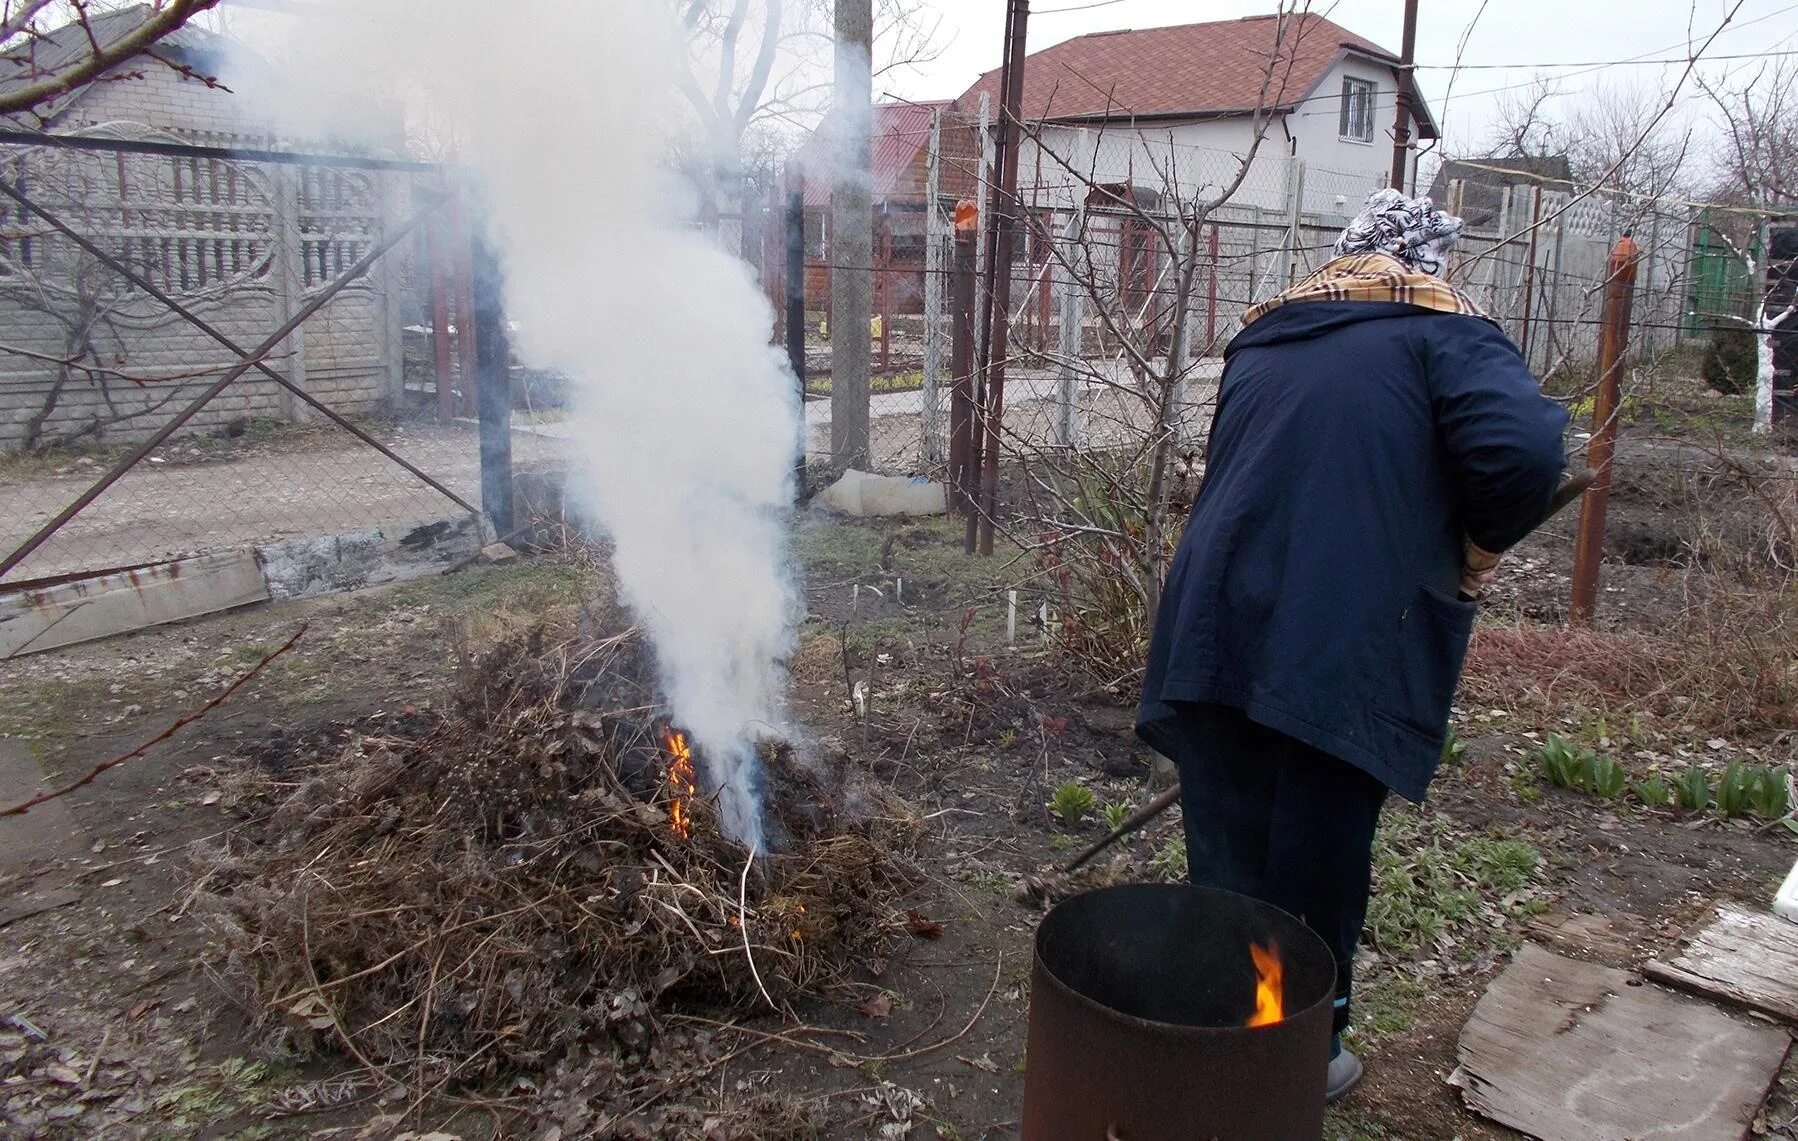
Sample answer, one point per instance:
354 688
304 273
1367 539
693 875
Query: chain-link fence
1107 282
209 346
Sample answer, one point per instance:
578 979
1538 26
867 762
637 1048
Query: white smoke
687 417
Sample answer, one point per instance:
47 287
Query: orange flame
682 780
1270 991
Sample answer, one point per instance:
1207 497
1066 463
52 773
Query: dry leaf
922 926
879 1006
984 1063
143 1008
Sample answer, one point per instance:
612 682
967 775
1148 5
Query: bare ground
114 1020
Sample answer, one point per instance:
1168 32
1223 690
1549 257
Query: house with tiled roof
900 140
1147 107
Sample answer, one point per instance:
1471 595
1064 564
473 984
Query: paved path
315 483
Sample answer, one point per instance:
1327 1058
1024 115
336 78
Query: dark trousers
1275 819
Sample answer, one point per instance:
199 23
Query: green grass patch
1436 893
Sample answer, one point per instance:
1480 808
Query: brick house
900 145
244 244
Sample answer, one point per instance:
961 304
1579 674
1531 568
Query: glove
1477 565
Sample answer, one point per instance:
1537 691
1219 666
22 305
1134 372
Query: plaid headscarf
1372 277
1410 229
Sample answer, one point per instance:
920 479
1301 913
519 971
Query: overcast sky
1529 33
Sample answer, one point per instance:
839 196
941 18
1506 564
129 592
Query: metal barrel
1138 1003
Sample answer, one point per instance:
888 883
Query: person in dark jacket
1377 442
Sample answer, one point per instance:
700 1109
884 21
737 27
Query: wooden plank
1604 938
44 618
1742 958
1570 1051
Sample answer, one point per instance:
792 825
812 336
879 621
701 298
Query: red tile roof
1190 69
900 135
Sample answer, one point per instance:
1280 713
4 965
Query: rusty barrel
1139 1000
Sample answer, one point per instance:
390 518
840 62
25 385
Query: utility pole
1401 129
851 234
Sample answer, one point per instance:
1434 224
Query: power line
1595 64
1733 27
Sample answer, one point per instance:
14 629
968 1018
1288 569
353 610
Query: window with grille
1357 109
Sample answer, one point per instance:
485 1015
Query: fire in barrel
1162 1012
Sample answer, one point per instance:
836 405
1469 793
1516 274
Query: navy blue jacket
1315 588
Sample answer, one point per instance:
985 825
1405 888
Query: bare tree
1757 170
34 71
1523 125
1619 135
1757 163
1134 255
758 71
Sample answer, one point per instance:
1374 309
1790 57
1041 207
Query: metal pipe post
493 388
961 366
998 302
795 307
1529 269
437 249
1619 293
461 242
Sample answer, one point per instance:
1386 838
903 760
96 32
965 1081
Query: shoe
1345 1075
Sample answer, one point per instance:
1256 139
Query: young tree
1134 257
1757 169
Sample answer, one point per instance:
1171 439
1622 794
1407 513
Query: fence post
982 192
931 445
289 269
795 308
1295 207
461 241
963 333
1650 255
493 388
1071 321
1619 292
437 250
1529 268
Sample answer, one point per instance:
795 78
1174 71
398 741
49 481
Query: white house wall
1198 157
1341 172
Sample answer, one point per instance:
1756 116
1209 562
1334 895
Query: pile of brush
490 887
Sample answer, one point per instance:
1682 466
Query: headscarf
1409 229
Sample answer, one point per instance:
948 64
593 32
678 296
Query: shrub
1730 361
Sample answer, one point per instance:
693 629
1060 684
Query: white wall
217 236
1200 156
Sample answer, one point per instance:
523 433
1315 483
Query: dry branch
180 723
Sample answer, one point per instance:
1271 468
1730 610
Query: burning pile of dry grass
495 885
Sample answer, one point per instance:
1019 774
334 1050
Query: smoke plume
687 418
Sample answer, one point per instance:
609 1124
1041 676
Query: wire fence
1104 271
147 411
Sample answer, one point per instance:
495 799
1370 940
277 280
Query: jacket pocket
1432 643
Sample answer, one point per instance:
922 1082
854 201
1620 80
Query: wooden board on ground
1570 1051
35 619
1606 938
1743 958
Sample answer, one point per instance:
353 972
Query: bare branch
158 24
